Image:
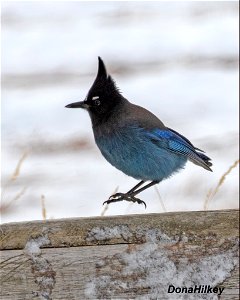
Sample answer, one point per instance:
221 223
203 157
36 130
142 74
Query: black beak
81 104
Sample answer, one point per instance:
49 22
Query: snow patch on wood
42 270
149 268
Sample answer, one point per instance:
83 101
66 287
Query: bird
133 139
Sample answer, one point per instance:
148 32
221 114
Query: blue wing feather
178 144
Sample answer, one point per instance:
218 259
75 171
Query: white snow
106 233
42 270
33 246
151 267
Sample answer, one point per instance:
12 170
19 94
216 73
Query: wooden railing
151 256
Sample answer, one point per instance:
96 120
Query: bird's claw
121 196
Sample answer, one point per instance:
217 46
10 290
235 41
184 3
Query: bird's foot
121 196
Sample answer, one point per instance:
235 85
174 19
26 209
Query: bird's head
102 97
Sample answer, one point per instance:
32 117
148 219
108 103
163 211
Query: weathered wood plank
123 257
76 270
75 232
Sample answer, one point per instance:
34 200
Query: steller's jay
133 139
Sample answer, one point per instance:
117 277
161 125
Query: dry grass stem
105 208
16 173
212 192
44 211
160 198
18 167
5 206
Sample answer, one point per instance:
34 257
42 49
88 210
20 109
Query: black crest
102 71
103 84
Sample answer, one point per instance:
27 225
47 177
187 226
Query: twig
160 199
212 192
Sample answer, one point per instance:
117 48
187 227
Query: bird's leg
136 186
117 195
130 195
126 196
135 192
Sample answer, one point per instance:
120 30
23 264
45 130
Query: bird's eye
97 102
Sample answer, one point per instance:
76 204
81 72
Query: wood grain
116 257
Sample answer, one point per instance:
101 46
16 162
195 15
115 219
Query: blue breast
134 152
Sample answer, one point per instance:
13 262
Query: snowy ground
178 59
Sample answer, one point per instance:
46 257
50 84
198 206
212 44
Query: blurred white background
177 59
